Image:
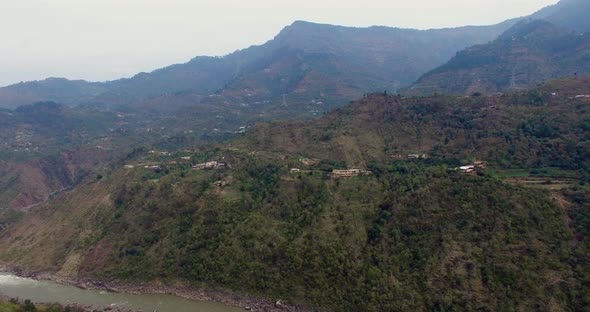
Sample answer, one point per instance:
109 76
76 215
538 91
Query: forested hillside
414 234
519 129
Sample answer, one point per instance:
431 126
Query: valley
330 168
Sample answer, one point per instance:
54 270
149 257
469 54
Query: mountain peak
303 28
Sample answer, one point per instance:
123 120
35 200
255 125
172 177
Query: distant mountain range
304 62
309 63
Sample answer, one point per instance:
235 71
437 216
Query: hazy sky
108 39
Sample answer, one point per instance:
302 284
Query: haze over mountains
304 62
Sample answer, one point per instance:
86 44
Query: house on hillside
472 168
417 156
209 165
467 169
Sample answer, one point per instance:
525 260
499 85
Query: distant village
469 169
212 164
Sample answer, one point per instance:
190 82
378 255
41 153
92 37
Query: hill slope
519 129
414 235
531 52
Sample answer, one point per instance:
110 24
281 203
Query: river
46 291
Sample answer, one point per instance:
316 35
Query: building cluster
349 173
209 165
337 173
472 168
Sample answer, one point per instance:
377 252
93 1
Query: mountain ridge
392 56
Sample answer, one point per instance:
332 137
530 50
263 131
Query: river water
46 291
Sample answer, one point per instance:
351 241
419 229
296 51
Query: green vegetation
536 172
508 132
413 235
409 237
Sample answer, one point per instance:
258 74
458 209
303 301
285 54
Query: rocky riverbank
184 291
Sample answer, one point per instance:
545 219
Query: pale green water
45 291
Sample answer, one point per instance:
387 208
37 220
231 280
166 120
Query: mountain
304 62
415 234
531 52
